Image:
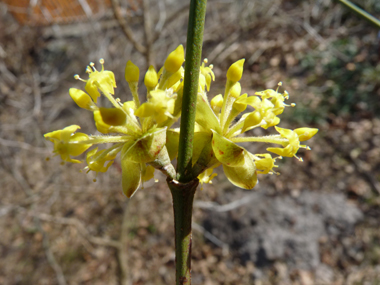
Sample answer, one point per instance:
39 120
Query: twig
122 256
226 207
23 145
175 15
125 27
80 227
49 255
148 33
361 13
211 238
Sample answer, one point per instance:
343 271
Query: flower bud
253 119
132 72
175 59
235 90
217 103
151 78
235 71
82 99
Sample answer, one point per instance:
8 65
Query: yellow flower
68 143
160 106
103 80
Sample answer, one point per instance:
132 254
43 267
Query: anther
94 179
101 61
293 104
205 60
280 83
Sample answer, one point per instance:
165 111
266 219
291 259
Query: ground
316 223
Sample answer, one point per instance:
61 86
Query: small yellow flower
160 106
68 143
103 80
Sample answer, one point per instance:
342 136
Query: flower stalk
189 102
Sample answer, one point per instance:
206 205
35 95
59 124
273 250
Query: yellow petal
75 146
226 151
92 89
243 176
99 123
113 116
131 177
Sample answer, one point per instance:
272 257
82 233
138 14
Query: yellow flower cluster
142 135
140 131
217 132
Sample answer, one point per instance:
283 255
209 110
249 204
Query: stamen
211 66
205 60
76 76
94 179
92 65
280 83
102 63
299 158
293 104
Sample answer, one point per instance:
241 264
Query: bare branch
80 227
125 27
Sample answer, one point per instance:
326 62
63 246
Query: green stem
361 12
189 102
183 196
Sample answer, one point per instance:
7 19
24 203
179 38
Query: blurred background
316 223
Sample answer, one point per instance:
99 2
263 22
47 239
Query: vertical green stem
183 196
189 102
361 12
183 190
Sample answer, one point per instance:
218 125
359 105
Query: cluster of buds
143 136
